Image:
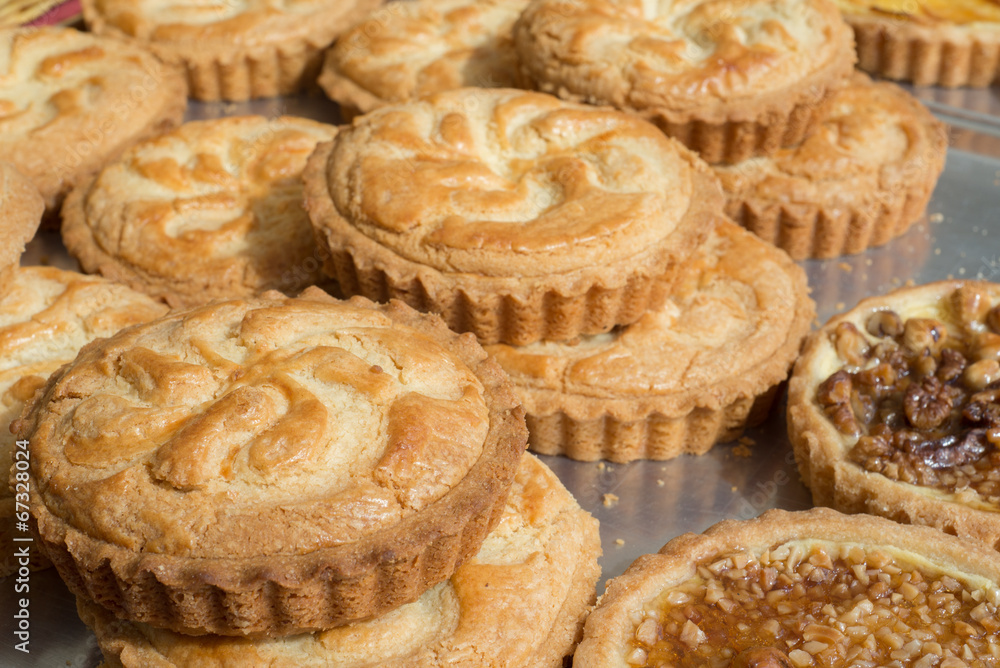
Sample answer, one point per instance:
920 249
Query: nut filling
923 397
818 604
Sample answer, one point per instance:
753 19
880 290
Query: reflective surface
644 504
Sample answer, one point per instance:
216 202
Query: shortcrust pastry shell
844 219
821 450
521 601
21 209
927 55
512 309
475 53
586 424
727 132
611 625
117 230
260 594
236 67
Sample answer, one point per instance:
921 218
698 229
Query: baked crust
862 177
611 627
821 450
21 207
69 103
270 466
46 316
236 50
521 601
683 377
929 42
211 210
515 215
730 80
408 49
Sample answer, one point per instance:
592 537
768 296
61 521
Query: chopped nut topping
924 405
823 605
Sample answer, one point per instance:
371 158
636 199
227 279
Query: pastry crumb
742 450
609 500
734 489
619 542
660 483
936 217
845 267
747 441
839 306
601 466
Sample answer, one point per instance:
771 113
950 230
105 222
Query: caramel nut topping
813 603
234 417
923 405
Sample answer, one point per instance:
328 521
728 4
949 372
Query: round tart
72 101
211 210
813 588
689 374
408 49
861 178
233 50
929 42
730 79
271 466
893 408
515 215
21 209
46 316
520 601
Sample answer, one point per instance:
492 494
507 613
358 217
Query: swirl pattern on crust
232 49
515 215
519 602
209 211
21 209
861 178
303 452
46 316
728 332
408 49
70 101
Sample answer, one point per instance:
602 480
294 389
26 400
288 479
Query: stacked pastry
812 160
587 250
277 470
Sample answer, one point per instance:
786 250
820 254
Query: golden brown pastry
515 215
689 374
521 601
71 101
929 42
408 49
211 210
893 408
862 177
792 590
268 466
46 316
731 79
21 209
232 50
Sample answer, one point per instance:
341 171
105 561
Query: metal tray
656 501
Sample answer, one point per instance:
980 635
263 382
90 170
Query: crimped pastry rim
895 213
465 513
821 451
608 628
578 535
920 41
748 383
